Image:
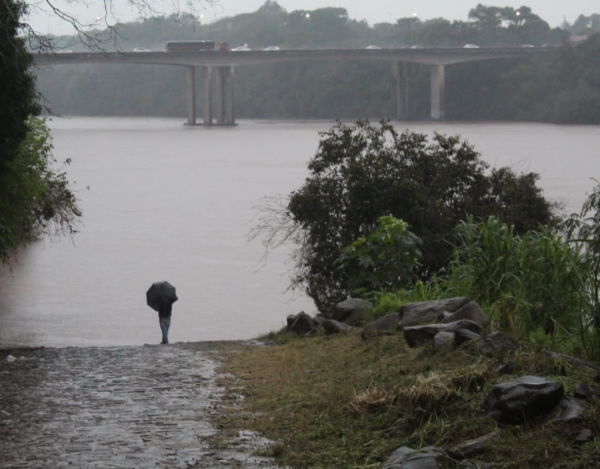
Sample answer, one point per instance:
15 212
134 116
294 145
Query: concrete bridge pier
403 90
191 94
225 98
438 78
207 108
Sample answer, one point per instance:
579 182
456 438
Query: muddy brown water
170 202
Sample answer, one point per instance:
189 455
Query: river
163 201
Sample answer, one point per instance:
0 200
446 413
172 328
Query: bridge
221 65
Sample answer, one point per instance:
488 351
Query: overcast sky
373 11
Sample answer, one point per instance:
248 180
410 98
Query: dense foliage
34 198
559 87
363 172
386 259
17 93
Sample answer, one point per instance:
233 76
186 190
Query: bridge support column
403 90
191 95
438 77
228 96
207 109
225 104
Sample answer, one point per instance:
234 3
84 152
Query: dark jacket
164 311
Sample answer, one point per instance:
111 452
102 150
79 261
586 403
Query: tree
17 93
34 199
361 173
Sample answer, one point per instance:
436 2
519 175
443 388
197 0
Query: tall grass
532 281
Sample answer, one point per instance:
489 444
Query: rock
303 324
428 457
506 369
522 399
476 446
290 320
334 327
385 325
319 319
584 391
585 436
465 335
470 311
443 316
477 465
567 410
351 310
496 343
418 335
443 339
422 312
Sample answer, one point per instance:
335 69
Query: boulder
423 312
470 311
522 399
385 325
290 320
584 391
334 327
428 457
568 410
476 446
585 436
464 335
418 335
506 369
351 310
303 324
496 343
443 339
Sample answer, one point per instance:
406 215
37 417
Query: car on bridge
272 48
239 48
141 49
372 47
470 46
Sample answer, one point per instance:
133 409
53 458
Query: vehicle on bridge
195 46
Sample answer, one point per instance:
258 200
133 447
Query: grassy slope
339 402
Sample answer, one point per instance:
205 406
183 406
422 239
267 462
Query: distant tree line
560 87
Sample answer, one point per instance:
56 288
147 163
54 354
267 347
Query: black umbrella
160 293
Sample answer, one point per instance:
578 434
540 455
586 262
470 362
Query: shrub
361 173
384 260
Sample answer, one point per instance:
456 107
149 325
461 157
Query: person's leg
164 327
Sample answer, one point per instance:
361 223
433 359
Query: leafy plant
35 199
384 260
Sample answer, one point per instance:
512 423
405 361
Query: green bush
362 172
386 259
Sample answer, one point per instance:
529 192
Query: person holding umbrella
160 297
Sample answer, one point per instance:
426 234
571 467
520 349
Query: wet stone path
115 407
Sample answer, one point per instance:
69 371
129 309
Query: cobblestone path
115 407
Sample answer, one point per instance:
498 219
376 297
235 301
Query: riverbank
341 402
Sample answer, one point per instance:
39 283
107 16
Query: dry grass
343 403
